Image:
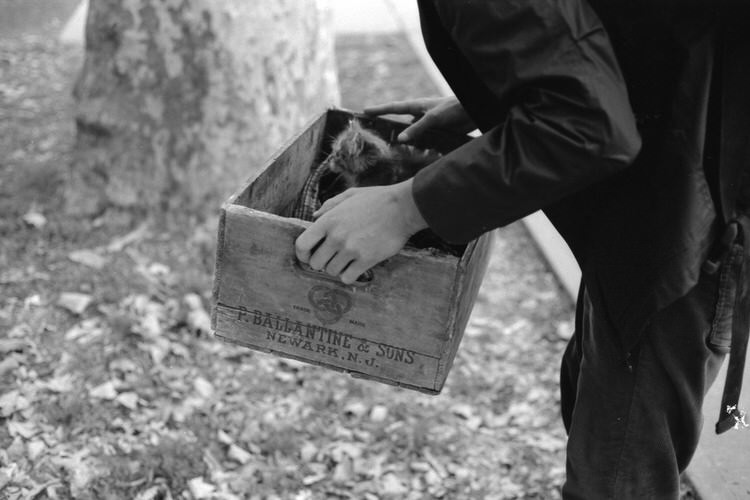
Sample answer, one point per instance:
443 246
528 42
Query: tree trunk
181 100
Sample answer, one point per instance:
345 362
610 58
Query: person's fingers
415 107
322 254
338 263
307 241
332 202
396 108
354 271
417 128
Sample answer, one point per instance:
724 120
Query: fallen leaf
391 485
128 399
20 331
224 438
199 321
46 488
564 330
12 345
463 410
285 377
35 448
5 477
158 270
474 423
85 331
193 301
59 384
187 407
517 327
203 387
88 258
123 365
80 472
439 469
106 391
213 464
200 489
35 218
356 408
75 302
238 454
12 402
11 276
315 478
26 430
308 452
179 350
547 442
370 467
291 364
32 301
461 473
432 478
150 326
344 471
157 348
9 364
378 413
16 451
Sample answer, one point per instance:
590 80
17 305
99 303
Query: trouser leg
634 423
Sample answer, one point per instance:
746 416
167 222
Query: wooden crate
402 326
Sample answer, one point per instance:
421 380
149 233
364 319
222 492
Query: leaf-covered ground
111 385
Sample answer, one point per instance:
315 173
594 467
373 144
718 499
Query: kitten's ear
356 139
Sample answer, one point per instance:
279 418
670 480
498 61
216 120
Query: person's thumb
333 202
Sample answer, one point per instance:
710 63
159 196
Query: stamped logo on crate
317 342
283 330
329 304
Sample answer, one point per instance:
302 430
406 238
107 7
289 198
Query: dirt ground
112 386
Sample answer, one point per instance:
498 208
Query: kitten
360 158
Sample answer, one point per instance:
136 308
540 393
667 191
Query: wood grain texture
259 266
469 275
276 185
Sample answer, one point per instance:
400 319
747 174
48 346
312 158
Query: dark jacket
541 81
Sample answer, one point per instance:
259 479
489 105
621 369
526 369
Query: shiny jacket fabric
596 113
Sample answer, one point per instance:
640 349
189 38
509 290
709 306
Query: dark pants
634 421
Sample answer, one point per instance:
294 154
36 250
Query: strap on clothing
730 415
734 159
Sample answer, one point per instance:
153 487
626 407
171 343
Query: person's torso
641 236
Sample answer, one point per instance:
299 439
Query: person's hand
358 229
440 112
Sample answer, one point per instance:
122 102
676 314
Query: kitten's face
356 149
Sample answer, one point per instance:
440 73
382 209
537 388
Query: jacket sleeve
566 121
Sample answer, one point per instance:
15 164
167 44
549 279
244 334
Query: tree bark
179 101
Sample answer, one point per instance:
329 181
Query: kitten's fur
362 158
